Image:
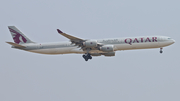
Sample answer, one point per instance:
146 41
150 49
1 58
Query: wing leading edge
69 36
75 40
78 41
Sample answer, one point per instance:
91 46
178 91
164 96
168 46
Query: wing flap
16 45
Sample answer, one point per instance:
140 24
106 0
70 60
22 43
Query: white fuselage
129 43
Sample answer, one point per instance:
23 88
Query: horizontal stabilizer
16 45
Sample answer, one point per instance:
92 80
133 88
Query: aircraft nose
173 41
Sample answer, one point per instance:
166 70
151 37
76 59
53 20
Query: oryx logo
17 36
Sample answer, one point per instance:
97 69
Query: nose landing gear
87 56
161 50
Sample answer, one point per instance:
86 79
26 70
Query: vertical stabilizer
18 36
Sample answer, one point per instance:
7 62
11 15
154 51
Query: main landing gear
87 56
161 50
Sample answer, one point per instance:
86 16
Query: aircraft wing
78 41
69 36
75 40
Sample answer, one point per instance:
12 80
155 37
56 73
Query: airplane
88 48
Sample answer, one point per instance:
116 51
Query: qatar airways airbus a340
88 48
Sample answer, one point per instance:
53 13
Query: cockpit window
169 38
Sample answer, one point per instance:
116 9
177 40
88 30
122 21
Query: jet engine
109 54
96 54
92 43
107 48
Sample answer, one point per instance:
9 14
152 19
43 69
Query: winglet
59 31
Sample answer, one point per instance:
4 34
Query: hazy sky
133 75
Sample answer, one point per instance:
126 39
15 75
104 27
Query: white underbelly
66 50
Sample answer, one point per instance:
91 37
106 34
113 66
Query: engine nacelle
107 48
109 54
90 43
96 54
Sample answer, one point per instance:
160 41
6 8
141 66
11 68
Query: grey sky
134 75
